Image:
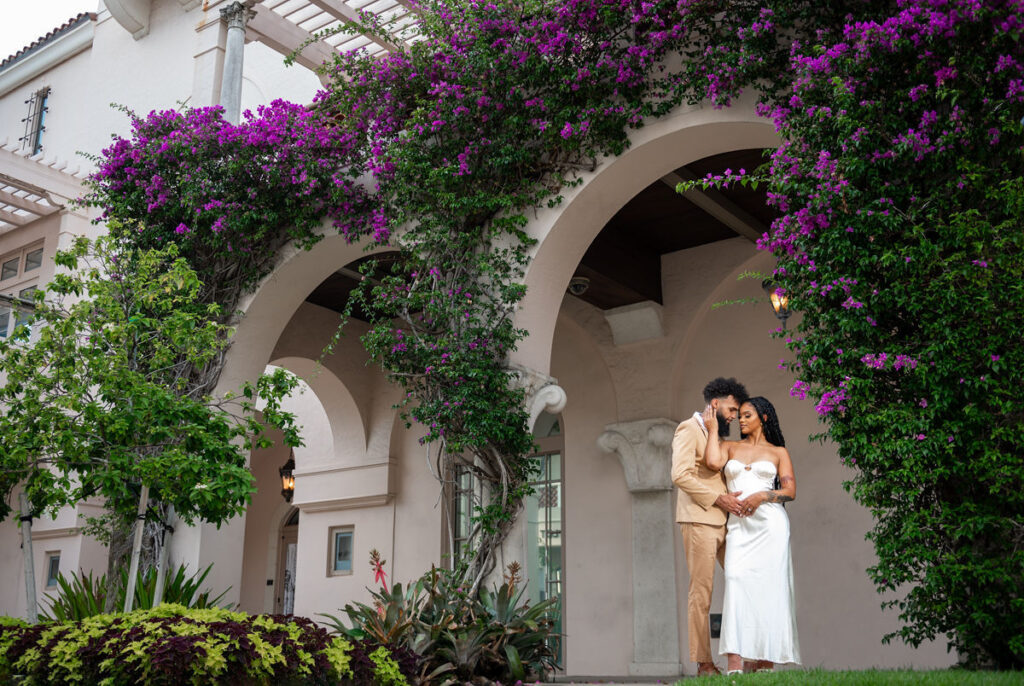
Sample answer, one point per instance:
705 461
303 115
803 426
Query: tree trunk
139 532
29 557
118 552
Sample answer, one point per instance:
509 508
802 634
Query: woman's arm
784 494
716 453
787 480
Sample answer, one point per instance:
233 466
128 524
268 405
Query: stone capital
644 448
236 15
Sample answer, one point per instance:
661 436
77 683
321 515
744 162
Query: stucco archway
564 233
348 428
267 310
265 313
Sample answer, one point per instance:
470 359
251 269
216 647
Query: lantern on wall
779 301
287 472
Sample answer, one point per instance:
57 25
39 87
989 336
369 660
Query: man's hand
710 417
730 503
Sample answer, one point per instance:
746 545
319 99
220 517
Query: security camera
578 285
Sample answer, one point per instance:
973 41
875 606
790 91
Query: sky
21 21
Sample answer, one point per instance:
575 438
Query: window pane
9 269
24 317
555 467
34 260
5 318
52 570
343 551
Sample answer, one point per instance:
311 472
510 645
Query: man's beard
723 426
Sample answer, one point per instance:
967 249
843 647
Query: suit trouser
702 543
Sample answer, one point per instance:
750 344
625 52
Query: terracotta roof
53 35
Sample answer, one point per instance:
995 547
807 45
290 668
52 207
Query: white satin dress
758 613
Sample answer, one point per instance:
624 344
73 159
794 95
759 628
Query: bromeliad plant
461 635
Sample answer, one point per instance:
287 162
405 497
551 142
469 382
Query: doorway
284 591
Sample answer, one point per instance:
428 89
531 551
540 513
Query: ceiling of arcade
623 263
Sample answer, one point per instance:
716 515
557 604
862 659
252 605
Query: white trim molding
46 57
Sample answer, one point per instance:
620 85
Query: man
701 510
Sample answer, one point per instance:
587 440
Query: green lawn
820 677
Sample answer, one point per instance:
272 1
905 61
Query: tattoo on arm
786 480
774 497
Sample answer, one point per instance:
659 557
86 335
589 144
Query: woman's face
749 421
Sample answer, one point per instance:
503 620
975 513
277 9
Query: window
52 569
340 558
17 274
545 521
466 496
33 259
35 122
21 264
544 528
23 317
10 268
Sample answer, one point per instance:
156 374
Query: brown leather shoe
707 669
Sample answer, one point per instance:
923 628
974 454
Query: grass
821 677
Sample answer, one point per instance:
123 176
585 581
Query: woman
758 614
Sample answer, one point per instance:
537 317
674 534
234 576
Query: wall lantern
779 301
287 472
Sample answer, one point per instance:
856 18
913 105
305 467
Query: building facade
623 337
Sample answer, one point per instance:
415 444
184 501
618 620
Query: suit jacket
698 485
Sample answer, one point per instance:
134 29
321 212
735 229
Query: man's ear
714 404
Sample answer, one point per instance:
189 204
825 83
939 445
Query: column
235 16
644 448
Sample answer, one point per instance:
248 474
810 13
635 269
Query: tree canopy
105 387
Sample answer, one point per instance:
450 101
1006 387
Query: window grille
467 494
35 122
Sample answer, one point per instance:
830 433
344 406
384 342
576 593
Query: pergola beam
285 37
34 177
26 204
15 219
344 13
718 206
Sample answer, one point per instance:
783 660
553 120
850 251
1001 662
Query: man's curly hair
721 388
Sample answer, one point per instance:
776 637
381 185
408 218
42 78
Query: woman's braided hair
769 420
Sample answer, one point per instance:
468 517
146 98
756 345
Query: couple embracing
748 479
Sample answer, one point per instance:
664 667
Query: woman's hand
749 505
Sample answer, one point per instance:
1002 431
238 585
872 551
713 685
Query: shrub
492 634
173 644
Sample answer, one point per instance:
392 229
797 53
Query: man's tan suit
702 525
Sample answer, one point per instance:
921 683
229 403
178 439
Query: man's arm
684 469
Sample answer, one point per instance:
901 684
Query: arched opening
661 154
619 273
344 412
